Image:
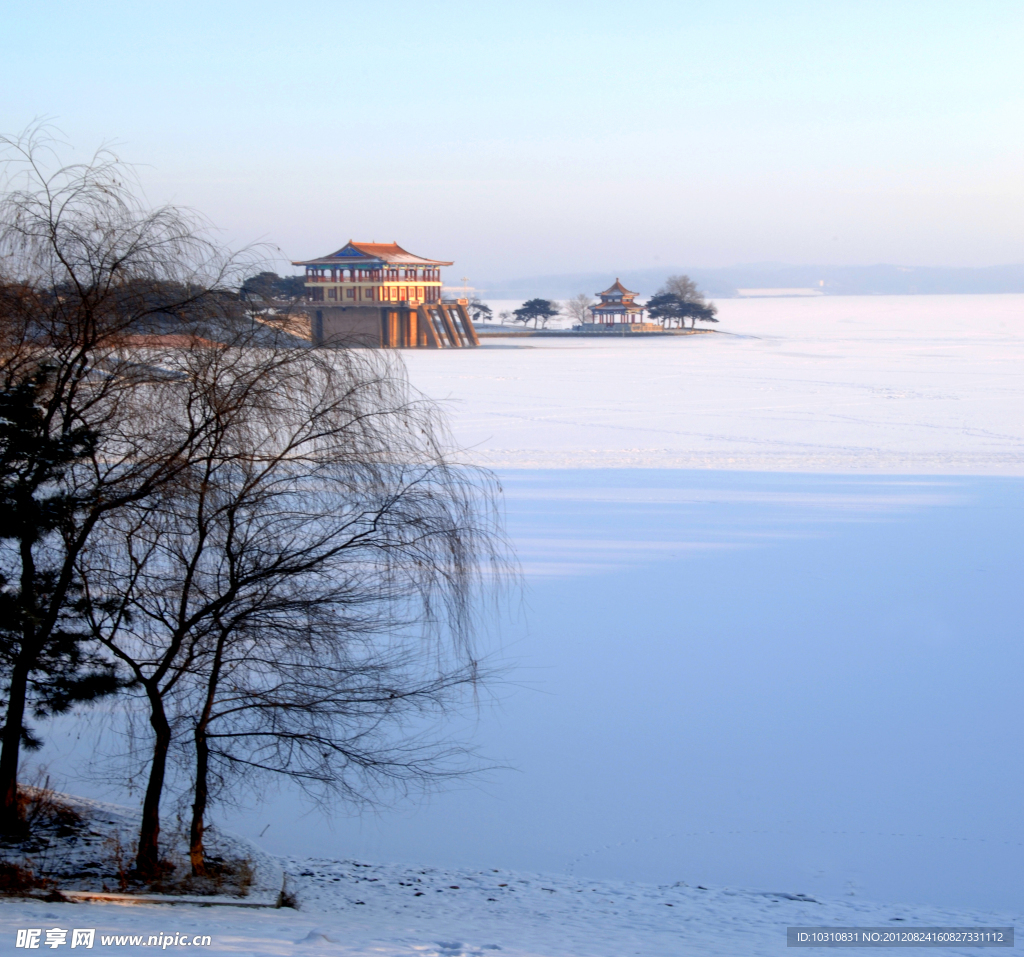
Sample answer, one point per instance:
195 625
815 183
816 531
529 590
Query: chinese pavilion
378 294
617 305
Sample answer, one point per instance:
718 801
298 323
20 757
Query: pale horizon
529 140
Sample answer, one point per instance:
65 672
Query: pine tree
668 306
46 661
537 310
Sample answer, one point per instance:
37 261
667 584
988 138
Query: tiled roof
616 287
355 254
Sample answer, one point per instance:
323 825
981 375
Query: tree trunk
147 861
196 851
17 696
10 813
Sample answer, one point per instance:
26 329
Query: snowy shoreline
394 910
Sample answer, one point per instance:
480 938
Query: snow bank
90 851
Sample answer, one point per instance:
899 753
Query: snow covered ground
351 908
769 644
871 383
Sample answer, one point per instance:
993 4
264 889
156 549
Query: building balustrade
373 277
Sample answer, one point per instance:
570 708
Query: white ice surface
771 681
886 384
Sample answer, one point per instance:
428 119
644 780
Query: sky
533 138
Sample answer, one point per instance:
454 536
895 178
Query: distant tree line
264 550
269 286
676 301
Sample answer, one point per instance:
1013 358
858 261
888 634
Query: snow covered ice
883 383
769 651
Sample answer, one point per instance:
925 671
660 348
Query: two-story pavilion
373 273
378 294
617 305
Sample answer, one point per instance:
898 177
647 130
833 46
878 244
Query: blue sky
538 137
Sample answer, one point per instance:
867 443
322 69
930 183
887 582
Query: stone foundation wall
620 327
345 325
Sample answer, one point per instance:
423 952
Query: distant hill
725 282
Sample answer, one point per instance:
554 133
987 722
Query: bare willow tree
266 541
579 308
683 287
304 593
84 267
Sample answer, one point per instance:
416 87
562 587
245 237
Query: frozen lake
817 668
771 629
872 383
791 683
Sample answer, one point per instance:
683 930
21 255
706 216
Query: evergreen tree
269 285
679 299
668 306
46 662
537 310
479 311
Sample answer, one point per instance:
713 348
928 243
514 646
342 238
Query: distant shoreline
775 280
507 332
